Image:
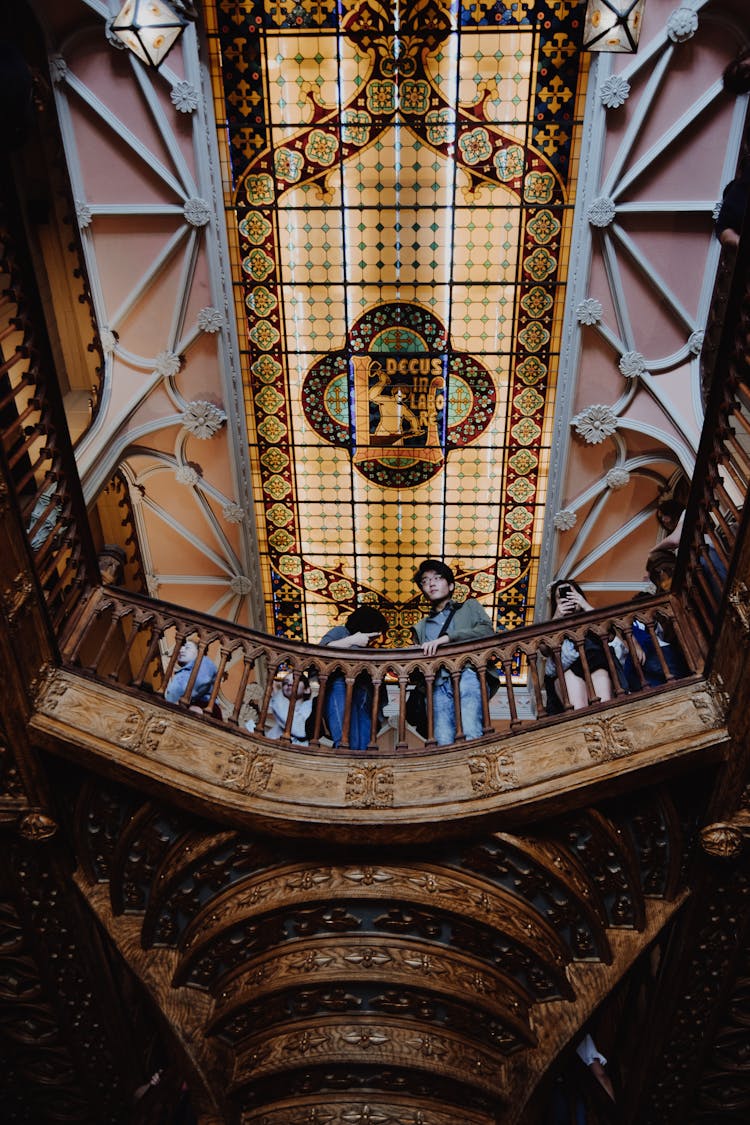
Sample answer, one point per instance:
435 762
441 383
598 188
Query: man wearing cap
449 623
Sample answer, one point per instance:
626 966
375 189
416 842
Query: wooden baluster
532 660
455 676
560 685
429 680
507 665
614 675
403 679
376 679
248 664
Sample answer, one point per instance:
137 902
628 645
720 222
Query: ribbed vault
442 986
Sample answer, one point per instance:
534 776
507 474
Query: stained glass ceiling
399 187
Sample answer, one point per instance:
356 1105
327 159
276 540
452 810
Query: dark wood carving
341 970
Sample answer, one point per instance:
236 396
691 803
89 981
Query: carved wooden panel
356 976
404 797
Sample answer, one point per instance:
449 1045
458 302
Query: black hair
736 75
660 558
302 679
670 508
366 619
556 586
434 566
114 551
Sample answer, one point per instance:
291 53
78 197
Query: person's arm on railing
349 640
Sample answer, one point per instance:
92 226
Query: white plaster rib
147 279
667 138
184 289
164 128
118 127
617 291
635 126
649 271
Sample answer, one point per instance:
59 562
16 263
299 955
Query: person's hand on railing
354 640
429 648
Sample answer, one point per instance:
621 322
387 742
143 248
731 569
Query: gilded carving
722 840
491 773
711 703
364 1038
152 734
248 771
368 876
311 962
739 599
374 1040
11 786
15 599
36 826
38 683
310 879
607 738
132 730
308 1042
372 1112
370 787
368 958
51 694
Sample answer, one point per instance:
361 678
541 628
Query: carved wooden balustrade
35 452
132 642
716 517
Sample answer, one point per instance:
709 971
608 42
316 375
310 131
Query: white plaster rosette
184 97
695 341
595 423
565 519
186 474
614 91
632 364
233 513
196 212
682 25
167 364
602 211
617 479
589 311
210 320
203 419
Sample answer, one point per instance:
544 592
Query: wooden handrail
132 642
716 516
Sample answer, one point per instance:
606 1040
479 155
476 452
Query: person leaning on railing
731 217
449 622
204 680
284 696
568 599
360 630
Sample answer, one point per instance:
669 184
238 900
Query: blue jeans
360 726
444 708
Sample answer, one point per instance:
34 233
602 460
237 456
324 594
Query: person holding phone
361 629
568 599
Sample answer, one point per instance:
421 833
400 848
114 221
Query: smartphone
564 592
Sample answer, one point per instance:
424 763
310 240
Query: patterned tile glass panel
399 186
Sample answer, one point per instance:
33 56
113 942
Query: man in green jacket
449 622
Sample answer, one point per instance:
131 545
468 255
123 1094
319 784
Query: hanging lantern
613 25
150 28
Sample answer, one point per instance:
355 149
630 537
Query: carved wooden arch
298 791
406 981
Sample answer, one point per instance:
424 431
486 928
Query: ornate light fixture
613 25
150 28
